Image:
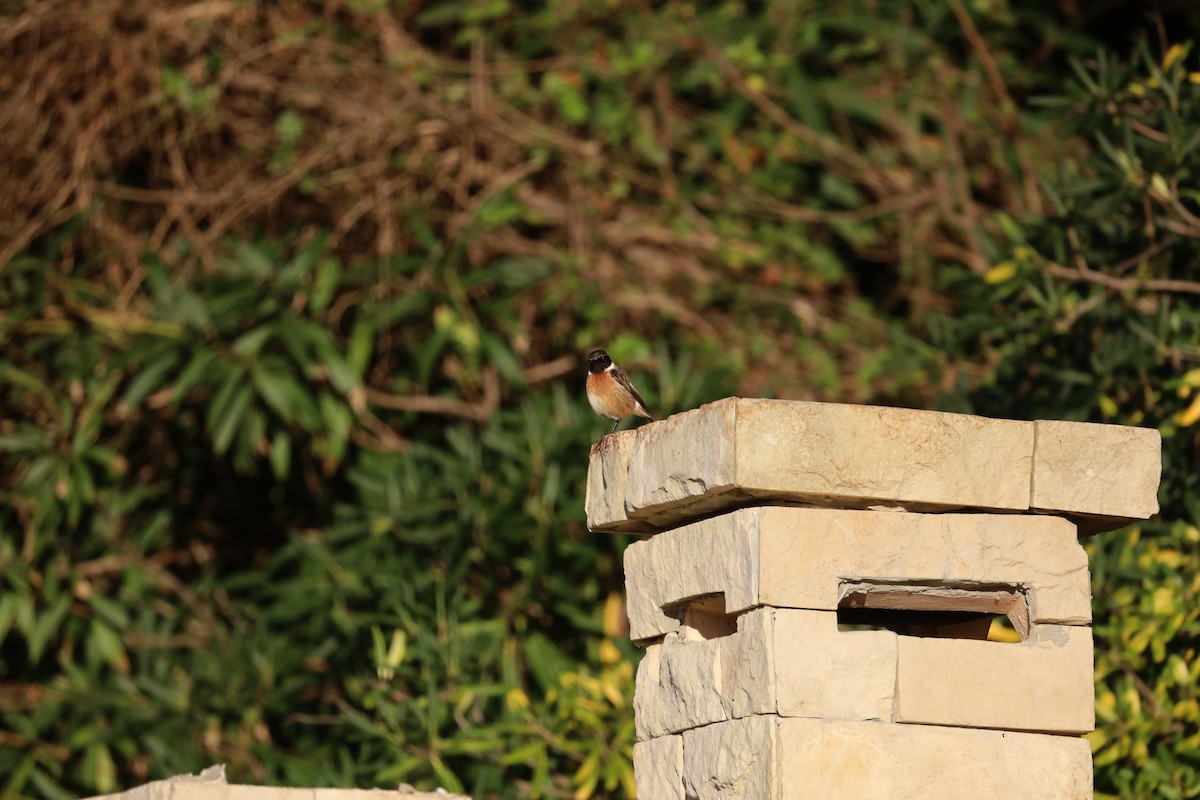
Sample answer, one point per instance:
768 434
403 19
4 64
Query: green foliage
293 451
431 605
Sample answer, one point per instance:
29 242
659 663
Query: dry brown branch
869 173
1008 109
550 370
1122 284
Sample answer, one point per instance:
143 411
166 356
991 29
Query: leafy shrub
292 459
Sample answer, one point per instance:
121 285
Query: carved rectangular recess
935 611
703 617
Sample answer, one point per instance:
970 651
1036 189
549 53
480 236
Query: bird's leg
614 427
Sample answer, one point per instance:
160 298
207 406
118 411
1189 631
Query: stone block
735 760
1042 684
735 452
1110 472
797 663
794 663
726 453
678 686
831 674
770 758
812 558
658 768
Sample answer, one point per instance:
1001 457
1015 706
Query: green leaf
227 424
280 455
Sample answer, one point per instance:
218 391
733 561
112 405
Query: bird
610 392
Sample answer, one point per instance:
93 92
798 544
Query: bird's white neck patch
611 366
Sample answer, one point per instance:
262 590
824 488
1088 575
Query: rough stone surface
748 665
769 758
678 687
1104 470
719 555
797 663
1042 684
736 451
807 557
735 760
210 785
658 768
724 453
794 663
687 682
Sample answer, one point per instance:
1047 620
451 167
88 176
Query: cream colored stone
723 454
749 678
241 792
824 760
1108 471
809 558
1042 684
726 454
659 454
719 556
734 760
769 758
678 687
831 674
210 785
658 768
795 663
608 472
686 681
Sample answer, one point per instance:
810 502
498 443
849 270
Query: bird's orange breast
608 398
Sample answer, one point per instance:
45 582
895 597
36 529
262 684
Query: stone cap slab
816 558
769 758
1103 473
797 663
738 452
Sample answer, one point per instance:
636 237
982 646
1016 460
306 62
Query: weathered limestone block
1042 684
658 768
797 663
811 558
1108 471
727 454
769 758
736 760
831 674
680 691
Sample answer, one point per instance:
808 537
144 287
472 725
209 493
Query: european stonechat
610 392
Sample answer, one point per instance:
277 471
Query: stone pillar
819 585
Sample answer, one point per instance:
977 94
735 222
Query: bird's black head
598 361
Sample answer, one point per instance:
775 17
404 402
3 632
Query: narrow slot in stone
934 611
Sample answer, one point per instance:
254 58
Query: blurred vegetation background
293 299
